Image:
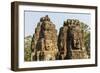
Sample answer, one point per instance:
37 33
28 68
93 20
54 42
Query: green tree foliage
86 37
27 54
27 48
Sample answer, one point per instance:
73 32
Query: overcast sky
31 18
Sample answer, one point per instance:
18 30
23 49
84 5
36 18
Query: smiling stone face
48 45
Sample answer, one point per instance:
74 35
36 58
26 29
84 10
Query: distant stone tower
70 40
44 41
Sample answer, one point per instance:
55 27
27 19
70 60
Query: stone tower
44 41
70 40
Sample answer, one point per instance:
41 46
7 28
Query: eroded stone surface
69 44
70 40
44 42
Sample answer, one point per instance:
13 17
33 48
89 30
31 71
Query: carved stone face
48 44
46 25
